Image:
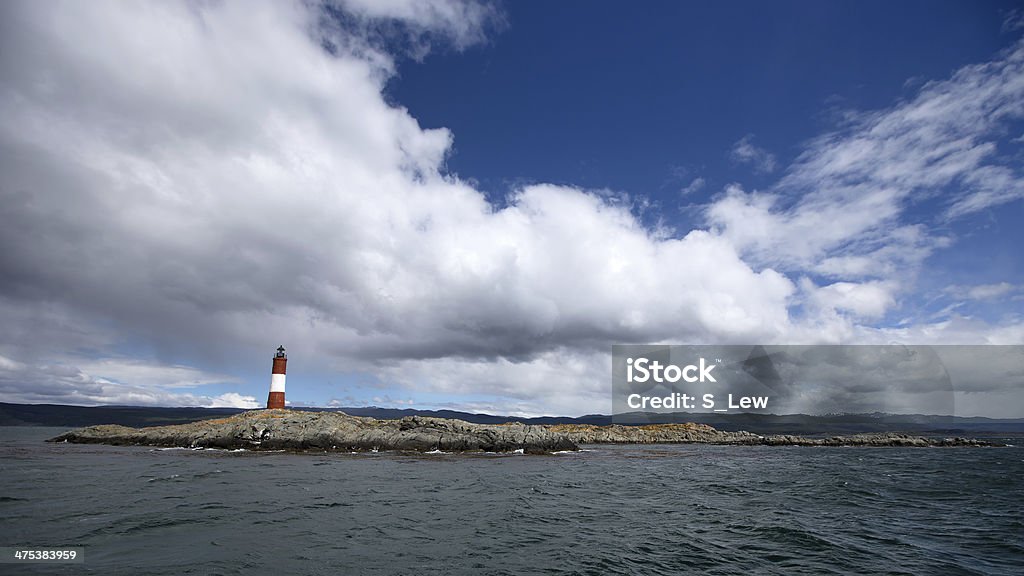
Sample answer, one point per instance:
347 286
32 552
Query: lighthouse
276 397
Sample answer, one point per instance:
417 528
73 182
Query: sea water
666 509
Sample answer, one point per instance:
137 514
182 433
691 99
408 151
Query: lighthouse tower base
275 400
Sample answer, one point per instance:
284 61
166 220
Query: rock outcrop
690 433
336 431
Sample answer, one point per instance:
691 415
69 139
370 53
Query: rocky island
283 429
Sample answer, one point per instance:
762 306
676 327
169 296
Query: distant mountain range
138 416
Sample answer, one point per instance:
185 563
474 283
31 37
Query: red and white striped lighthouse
276 398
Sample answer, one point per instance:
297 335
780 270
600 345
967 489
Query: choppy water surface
612 510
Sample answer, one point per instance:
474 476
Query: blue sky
461 204
650 101
646 99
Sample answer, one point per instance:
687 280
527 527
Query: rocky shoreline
337 431
690 433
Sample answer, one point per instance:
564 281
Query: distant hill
77 416
139 416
